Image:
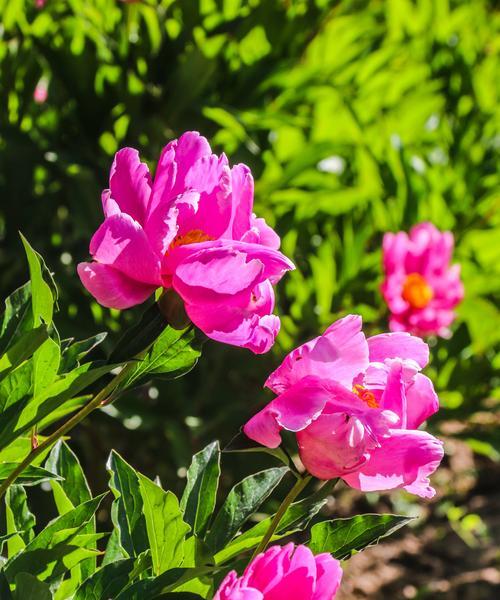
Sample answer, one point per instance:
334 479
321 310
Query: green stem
104 395
300 484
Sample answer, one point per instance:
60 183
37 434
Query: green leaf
107 582
28 586
242 501
127 510
198 499
296 518
30 476
76 351
166 582
166 529
42 297
45 366
71 491
174 353
342 537
17 317
114 550
57 548
22 349
20 520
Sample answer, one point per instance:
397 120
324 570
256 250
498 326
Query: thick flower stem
101 398
300 484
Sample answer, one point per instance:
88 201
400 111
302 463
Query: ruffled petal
293 410
121 243
339 354
112 288
421 401
398 345
404 460
130 185
328 578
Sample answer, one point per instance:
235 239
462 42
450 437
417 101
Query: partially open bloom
355 405
284 572
191 229
421 288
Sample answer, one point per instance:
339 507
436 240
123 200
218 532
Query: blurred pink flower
41 92
420 287
355 405
283 573
191 229
40 3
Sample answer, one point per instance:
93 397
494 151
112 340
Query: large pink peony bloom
283 573
420 287
355 405
191 229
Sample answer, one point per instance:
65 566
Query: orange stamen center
363 394
416 291
191 237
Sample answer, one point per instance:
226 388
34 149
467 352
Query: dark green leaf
166 529
17 317
198 499
107 582
20 520
242 501
30 476
127 510
166 582
29 587
342 537
76 351
22 349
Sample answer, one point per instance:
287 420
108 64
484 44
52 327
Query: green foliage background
401 96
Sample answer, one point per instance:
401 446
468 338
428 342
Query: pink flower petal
405 459
398 345
112 288
421 401
339 354
130 184
293 410
329 576
121 243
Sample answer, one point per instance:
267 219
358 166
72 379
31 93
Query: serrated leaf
127 510
55 550
198 499
166 529
242 501
342 537
107 582
28 586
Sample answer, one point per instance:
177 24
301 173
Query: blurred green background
356 117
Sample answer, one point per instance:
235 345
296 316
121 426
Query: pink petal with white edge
293 410
121 243
328 577
130 184
421 401
404 460
111 288
398 345
339 354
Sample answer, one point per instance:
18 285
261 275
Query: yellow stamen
191 237
365 395
416 291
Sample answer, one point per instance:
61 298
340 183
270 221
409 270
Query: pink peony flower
191 229
285 572
420 287
41 92
355 405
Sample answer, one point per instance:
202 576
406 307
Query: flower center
191 237
416 291
363 394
